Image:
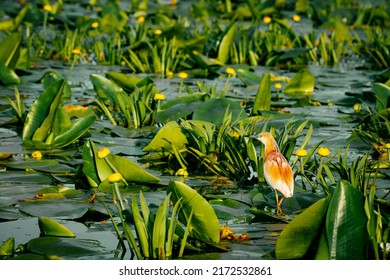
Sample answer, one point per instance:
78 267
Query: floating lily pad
47 165
51 227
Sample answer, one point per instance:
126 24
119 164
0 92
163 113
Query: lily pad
302 84
170 133
51 227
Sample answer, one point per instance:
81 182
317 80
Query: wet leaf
64 247
51 227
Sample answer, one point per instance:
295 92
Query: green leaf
12 24
8 247
89 166
160 230
263 96
128 82
40 117
297 237
105 89
7 75
73 132
301 84
170 133
204 223
226 43
346 223
382 93
141 228
51 227
131 171
10 49
214 109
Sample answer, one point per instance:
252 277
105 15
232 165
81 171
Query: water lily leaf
214 109
73 132
301 84
204 222
226 42
55 208
247 76
7 75
40 117
23 177
180 107
346 223
10 49
131 171
44 165
49 77
170 133
64 247
280 55
298 235
263 97
8 247
9 213
89 166
51 227
59 192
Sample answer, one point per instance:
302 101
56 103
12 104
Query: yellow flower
296 18
115 177
278 85
357 107
47 8
159 96
234 133
267 19
36 155
323 151
141 19
387 146
195 52
301 152
230 71
183 75
181 172
102 153
169 74
76 51
157 32
95 24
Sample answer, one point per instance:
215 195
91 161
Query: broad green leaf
10 49
214 109
170 133
52 76
64 247
39 118
382 94
73 132
204 222
226 43
105 89
298 235
247 76
263 96
346 223
322 252
8 247
51 227
131 171
58 208
301 84
7 75
43 165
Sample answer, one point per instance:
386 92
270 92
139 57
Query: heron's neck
271 147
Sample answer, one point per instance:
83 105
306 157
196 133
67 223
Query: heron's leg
279 211
277 202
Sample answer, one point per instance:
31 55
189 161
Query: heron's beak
254 136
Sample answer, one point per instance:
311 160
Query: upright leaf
263 96
301 84
204 222
346 223
226 42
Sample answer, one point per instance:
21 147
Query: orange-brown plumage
277 171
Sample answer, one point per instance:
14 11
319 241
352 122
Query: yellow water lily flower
301 152
230 71
183 75
278 85
158 32
95 24
76 51
36 155
47 8
103 152
267 19
159 96
141 19
181 172
115 177
296 18
323 151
